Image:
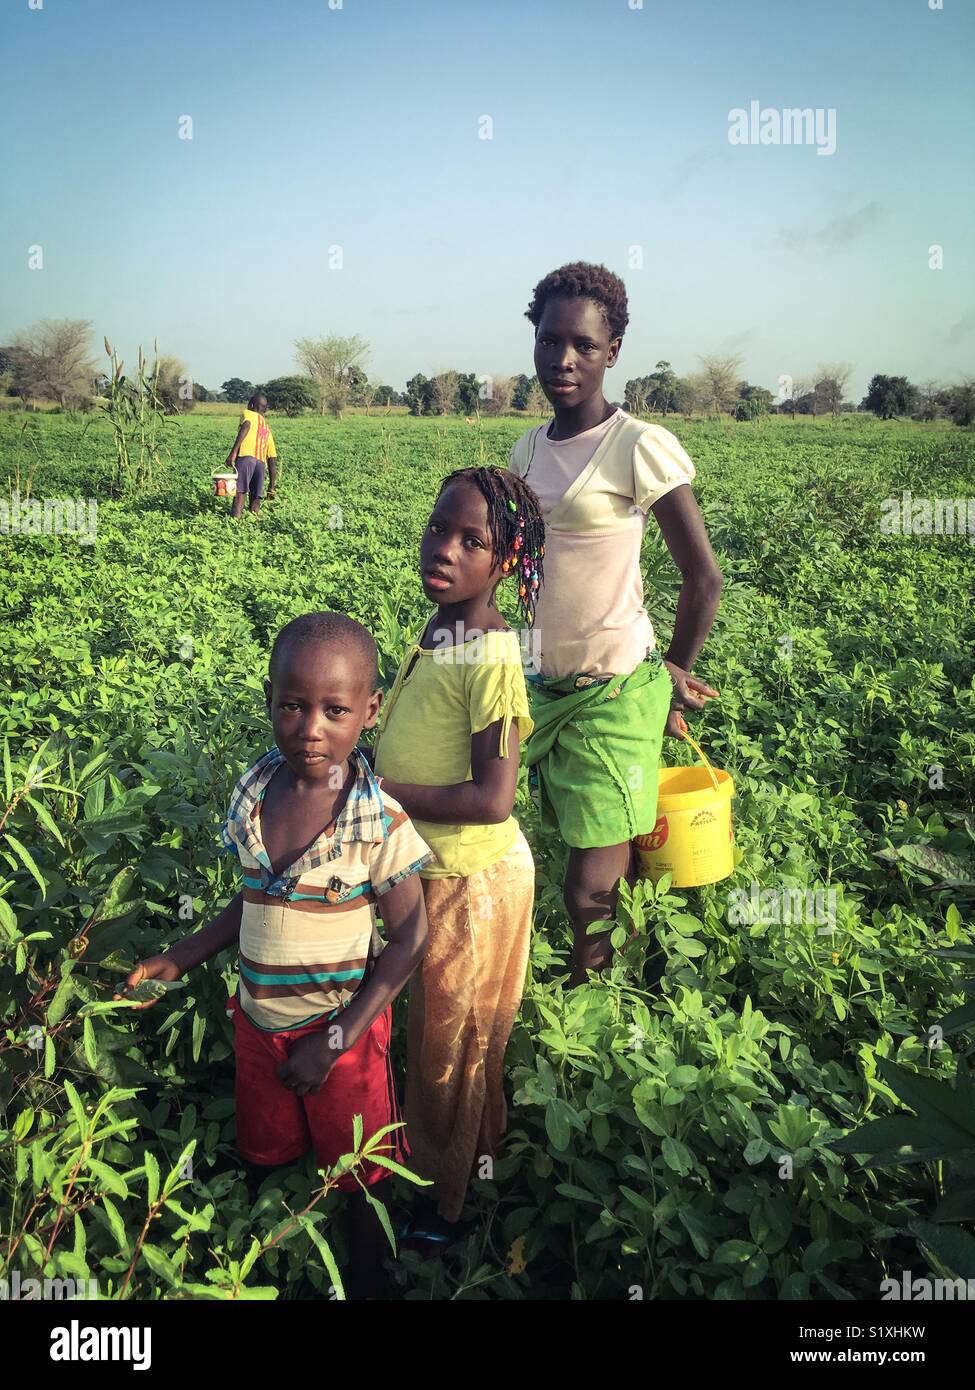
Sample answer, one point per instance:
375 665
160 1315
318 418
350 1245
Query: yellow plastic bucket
692 839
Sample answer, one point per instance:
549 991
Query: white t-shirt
597 488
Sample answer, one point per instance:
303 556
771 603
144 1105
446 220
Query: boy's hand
309 1063
161 967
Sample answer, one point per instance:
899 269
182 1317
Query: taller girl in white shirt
603 697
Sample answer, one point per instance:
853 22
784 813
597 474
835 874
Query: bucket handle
703 756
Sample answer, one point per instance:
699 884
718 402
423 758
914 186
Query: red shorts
275 1126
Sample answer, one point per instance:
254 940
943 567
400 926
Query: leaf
954 1247
893 1140
684 923
636 1199
677 1156
687 946
356 1132
28 862
755 1270
956 1205
557 1123
115 960
578 1194
731 1252
152 1177
116 1223
77 1109
328 1259
88 1043
7 917
199 1028
22 1124
50 1060
160 1264
247 1263
151 989
103 1006
175 1173
958 1020
684 1075
59 1002
45 817
696 1229
113 902
376 1139
816 1256
929 1097
107 1177
195 1220
395 1167
383 1216
947 870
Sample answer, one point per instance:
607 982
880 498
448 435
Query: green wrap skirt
594 753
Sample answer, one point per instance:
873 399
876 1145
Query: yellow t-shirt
425 736
258 442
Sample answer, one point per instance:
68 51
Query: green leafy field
673 1129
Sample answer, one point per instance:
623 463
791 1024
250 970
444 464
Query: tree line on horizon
52 361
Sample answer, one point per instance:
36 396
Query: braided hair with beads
516 527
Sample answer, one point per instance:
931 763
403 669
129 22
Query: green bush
675 1129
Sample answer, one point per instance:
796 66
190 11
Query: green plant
138 414
651 1115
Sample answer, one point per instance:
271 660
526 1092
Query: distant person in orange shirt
253 451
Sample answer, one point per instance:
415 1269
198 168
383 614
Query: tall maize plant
138 419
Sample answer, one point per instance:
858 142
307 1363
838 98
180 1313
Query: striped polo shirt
307 933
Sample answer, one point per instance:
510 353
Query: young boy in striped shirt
320 844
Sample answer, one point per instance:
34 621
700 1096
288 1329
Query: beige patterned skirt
463 1002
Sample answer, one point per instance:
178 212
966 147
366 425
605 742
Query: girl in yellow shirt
448 751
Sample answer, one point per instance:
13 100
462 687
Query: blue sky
358 127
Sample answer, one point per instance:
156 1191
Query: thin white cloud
835 234
692 165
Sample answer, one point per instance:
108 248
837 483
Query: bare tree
501 390
800 387
930 400
536 402
830 388
54 362
717 382
328 361
444 391
172 385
